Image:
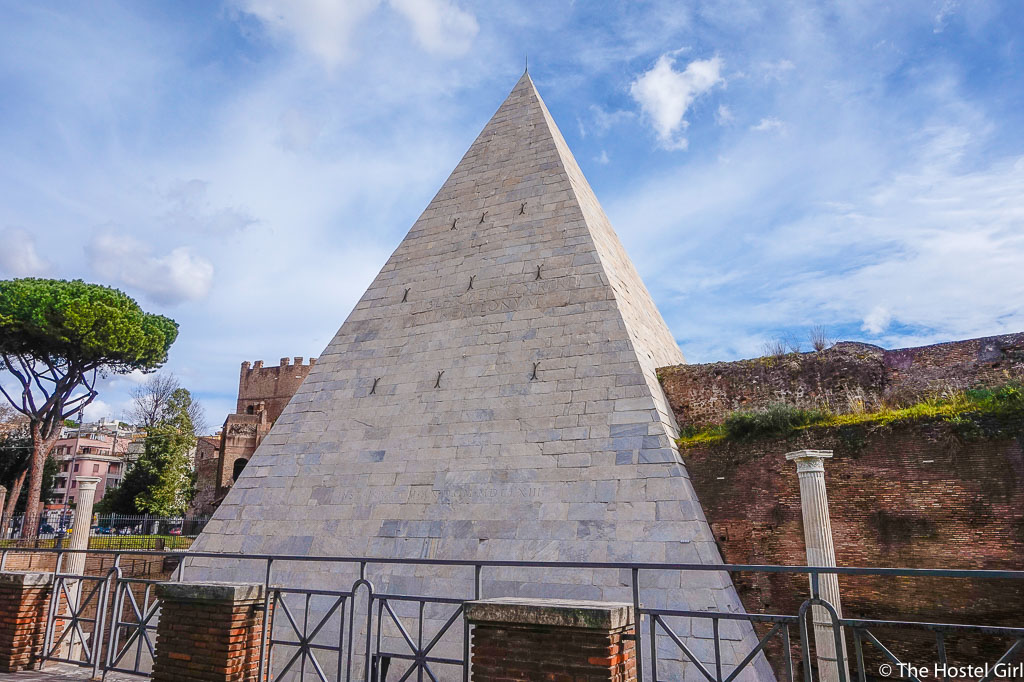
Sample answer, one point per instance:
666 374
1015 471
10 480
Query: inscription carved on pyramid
492 396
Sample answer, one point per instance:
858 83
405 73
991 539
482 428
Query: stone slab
25 578
558 613
212 591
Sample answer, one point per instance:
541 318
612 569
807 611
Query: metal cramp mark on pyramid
517 419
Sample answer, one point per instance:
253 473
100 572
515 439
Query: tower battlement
269 389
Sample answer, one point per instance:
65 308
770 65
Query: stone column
820 552
75 563
209 632
535 640
24 604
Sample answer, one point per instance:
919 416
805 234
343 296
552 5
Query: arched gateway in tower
492 396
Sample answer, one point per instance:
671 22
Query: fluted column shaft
820 552
75 563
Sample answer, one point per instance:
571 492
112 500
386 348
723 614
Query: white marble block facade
491 396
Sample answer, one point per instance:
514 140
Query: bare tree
151 401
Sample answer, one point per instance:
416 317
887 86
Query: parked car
175 531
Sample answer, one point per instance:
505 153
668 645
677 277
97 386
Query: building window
250 410
74 483
76 467
112 469
95 468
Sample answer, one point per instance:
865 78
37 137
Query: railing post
639 631
210 632
545 639
3 518
832 663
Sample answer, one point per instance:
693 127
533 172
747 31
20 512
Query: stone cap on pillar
87 482
809 460
561 613
25 578
210 591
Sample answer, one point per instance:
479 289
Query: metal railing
107 622
107 531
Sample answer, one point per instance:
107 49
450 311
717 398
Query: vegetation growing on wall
981 412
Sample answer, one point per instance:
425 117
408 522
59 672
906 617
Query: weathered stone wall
207 465
263 393
839 377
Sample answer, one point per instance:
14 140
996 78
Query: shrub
775 419
819 338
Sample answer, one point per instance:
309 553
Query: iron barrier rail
107 622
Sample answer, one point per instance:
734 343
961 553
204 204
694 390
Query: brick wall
549 640
24 604
848 372
95 564
273 386
503 653
907 495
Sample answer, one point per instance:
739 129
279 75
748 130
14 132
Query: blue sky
247 166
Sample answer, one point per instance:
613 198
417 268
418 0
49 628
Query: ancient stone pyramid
491 396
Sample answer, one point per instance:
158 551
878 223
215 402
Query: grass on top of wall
961 408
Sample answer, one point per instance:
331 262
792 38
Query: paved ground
65 672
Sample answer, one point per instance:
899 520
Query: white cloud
777 70
177 276
665 94
190 208
603 121
877 320
440 25
328 28
322 27
603 158
724 115
768 124
949 7
18 255
97 410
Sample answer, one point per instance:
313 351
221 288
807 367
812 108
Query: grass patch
112 542
963 409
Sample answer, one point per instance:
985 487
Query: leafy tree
56 339
161 482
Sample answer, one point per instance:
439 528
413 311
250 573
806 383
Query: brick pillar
551 640
208 632
24 604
